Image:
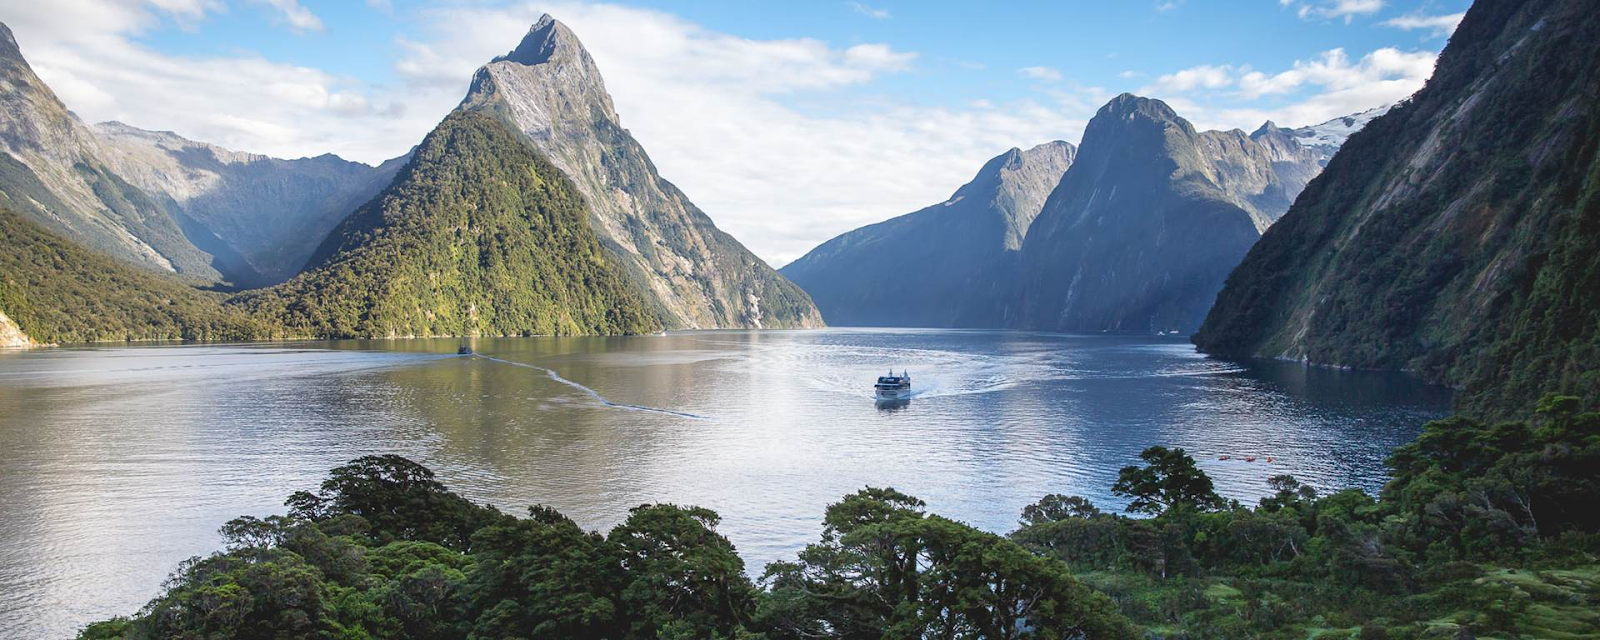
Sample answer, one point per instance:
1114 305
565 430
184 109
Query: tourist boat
893 387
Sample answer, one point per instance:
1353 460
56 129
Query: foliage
1170 480
1455 235
58 292
1485 529
478 235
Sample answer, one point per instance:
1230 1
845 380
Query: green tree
1168 480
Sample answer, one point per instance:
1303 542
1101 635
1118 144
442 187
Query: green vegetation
59 292
383 550
479 235
1456 235
1485 531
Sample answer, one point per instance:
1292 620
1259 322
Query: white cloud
1046 74
870 12
1311 91
1334 9
299 18
1201 77
1439 25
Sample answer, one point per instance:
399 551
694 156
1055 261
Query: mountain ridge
1454 235
696 275
942 265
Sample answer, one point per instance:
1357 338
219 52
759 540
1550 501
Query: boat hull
893 394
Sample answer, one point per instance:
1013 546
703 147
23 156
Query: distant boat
893 387
464 351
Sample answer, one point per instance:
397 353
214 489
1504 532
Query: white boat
893 387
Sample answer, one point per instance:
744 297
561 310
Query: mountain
1458 234
59 292
695 275
251 212
1326 138
945 265
163 202
1147 222
478 235
51 171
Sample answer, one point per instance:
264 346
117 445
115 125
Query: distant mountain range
1133 231
1458 234
947 265
637 257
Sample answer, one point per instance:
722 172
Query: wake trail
591 392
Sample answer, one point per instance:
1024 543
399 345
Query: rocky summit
694 274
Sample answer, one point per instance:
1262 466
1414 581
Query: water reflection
122 462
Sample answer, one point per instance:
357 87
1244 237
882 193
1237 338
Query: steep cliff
1148 221
1459 233
696 276
946 265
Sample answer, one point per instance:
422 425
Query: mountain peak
8 43
1127 105
546 39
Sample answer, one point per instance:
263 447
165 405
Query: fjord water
121 462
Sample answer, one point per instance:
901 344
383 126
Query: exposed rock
697 276
260 217
11 336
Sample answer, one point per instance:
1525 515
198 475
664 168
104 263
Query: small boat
464 351
893 387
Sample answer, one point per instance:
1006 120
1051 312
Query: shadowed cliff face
1455 234
695 275
1147 223
947 265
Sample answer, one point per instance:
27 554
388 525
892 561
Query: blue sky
788 122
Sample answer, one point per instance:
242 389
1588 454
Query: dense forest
1485 530
478 235
59 292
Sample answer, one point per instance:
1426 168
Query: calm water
116 464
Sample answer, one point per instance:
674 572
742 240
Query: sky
787 122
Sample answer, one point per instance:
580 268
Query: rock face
478 235
695 275
259 217
1148 221
1459 233
52 171
946 265
163 202
11 336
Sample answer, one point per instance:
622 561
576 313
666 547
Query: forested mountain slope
1458 234
59 292
478 235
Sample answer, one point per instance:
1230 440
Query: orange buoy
1249 458
1269 458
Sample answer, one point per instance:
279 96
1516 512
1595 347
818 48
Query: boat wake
591 392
